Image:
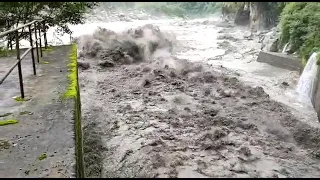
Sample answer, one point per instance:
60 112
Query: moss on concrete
5 115
42 156
73 92
20 99
44 62
7 122
73 74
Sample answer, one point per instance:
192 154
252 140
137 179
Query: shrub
300 26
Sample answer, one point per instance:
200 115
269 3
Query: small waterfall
307 79
285 48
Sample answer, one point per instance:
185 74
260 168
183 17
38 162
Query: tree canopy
300 26
55 13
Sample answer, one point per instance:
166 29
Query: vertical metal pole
45 35
9 35
19 64
11 38
35 34
32 52
39 26
10 41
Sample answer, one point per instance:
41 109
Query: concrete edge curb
73 92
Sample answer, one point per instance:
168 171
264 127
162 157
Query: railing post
45 35
10 42
36 39
9 45
32 52
19 64
9 39
40 43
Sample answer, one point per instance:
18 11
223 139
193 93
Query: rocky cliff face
270 40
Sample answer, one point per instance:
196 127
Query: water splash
307 79
285 48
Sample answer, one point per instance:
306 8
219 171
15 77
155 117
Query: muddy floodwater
186 98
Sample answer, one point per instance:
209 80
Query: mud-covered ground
148 113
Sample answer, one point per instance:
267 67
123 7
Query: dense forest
58 14
300 26
54 13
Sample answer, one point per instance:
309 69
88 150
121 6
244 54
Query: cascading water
285 48
307 79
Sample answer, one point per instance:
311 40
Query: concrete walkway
42 143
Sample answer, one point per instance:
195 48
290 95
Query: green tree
300 26
55 13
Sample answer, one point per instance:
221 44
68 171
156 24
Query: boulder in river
270 40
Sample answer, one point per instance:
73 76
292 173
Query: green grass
7 122
4 52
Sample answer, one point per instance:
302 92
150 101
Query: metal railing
37 26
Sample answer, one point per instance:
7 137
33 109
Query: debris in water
106 63
83 65
178 108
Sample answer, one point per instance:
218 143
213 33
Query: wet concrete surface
10 87
41 144
280 60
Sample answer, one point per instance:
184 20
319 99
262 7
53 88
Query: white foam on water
285 48
307 80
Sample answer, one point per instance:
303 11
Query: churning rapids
186 98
